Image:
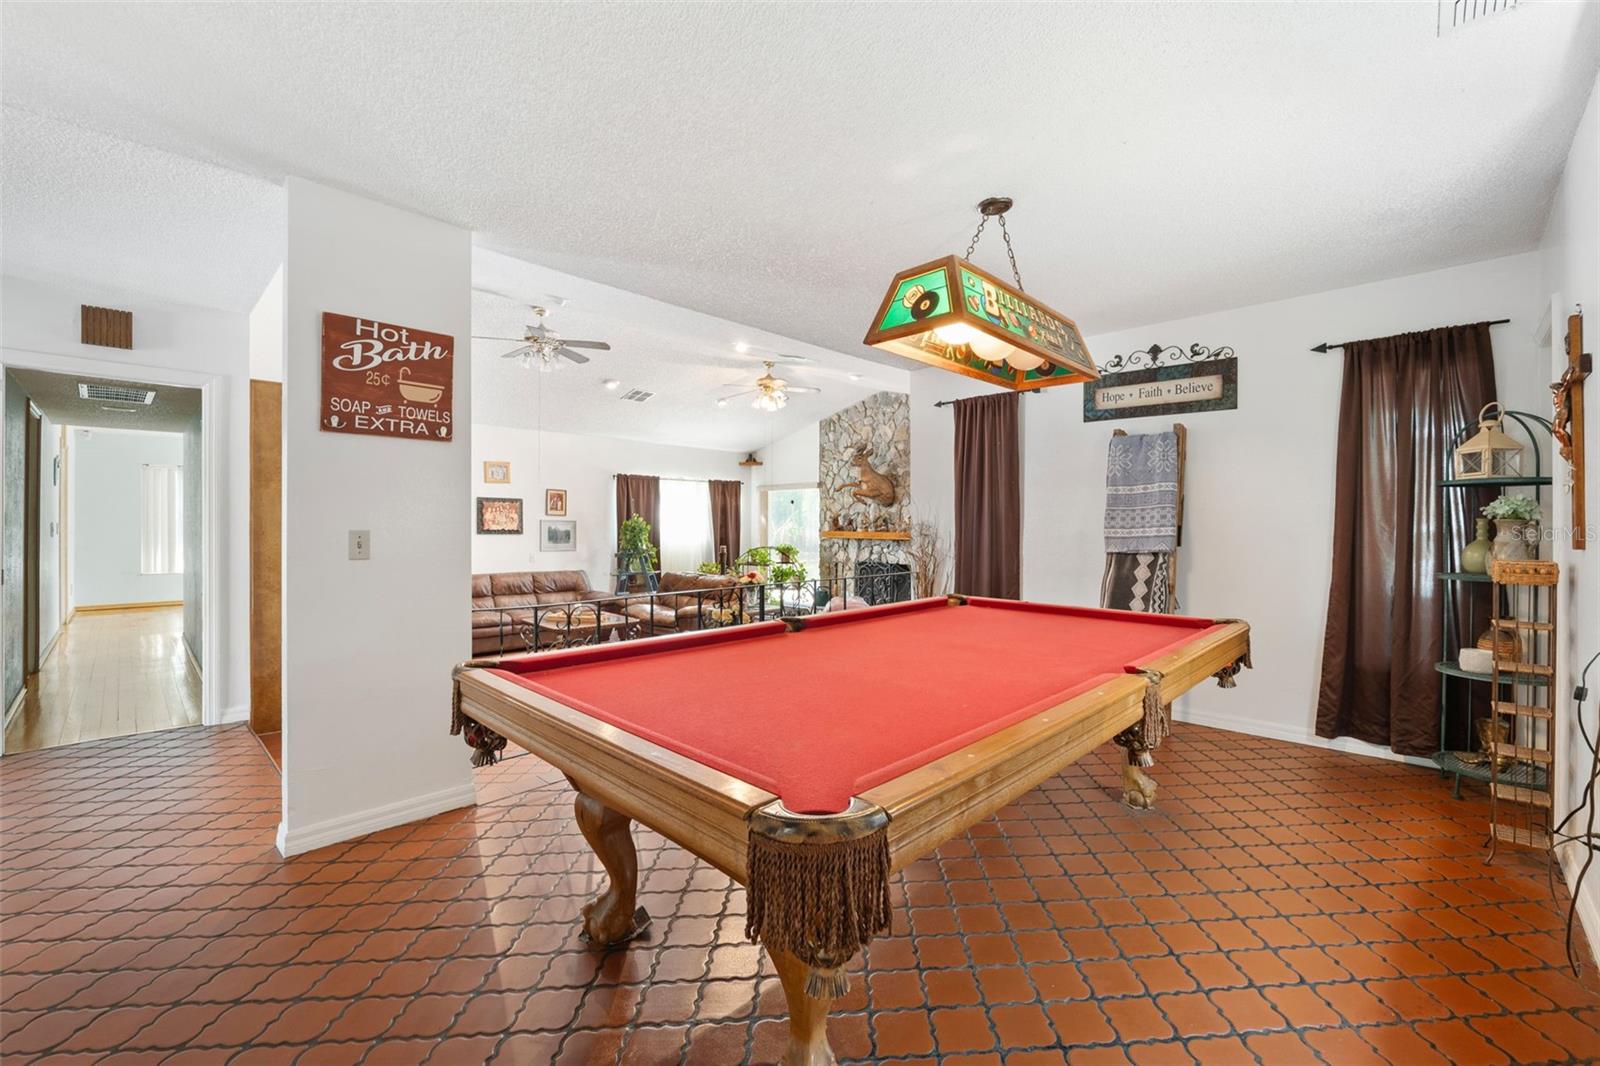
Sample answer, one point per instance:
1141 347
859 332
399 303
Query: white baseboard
16 705
50 646
302 839
1257 728
233 715
1571 858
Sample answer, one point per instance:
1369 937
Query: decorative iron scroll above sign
1163 380
386 380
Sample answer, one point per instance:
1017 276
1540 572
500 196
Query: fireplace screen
880 582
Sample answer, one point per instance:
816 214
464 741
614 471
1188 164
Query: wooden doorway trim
266 556
31 440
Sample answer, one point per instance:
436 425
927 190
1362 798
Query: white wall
105 512
368 646
583 465
266 332
790 460
1259 485
1570 254
176 344
50 575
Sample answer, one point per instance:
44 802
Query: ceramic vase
1515 539
1475 556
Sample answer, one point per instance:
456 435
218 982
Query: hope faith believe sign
385 380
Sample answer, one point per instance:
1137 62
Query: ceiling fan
542 348
772 393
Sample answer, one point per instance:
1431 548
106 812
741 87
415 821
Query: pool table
809 758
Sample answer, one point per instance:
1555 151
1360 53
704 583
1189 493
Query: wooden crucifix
1568 422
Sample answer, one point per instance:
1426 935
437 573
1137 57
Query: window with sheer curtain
160 519
685 525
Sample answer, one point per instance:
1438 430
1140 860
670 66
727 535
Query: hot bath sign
385 380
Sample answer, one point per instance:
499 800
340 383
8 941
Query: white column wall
368 646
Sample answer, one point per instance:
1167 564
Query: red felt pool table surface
854 698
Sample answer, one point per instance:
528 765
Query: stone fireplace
864 470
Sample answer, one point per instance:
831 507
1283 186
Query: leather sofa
521 611
676 607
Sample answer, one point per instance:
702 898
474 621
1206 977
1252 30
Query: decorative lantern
952 315
1489 453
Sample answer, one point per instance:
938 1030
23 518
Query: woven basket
1503 645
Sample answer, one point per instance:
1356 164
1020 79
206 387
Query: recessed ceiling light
611 383
722 403
855 377
741 347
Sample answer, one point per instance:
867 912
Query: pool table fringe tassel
817 896
1225 676
1155 727
485 743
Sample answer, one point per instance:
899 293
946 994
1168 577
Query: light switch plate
361 544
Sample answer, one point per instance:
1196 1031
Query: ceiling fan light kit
543 349
771 392
953 315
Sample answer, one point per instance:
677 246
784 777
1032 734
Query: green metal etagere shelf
1458 588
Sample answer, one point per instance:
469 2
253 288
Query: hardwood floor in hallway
112 673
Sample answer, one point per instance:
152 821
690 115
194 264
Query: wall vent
116 393
636 395
1457 15
107 327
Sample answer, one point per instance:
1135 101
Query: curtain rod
1020 392
690 480
1322 348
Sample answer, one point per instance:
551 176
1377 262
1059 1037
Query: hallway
112 673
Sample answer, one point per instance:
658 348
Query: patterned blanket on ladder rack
1143 475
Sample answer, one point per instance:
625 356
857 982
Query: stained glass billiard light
952 315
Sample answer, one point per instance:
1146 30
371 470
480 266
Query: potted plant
756 557
709 568
788 574
1516 526
634 537
787 553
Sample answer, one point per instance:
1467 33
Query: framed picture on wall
499 515
555 501
496 472
558 536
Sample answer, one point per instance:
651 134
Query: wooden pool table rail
946 797
694 805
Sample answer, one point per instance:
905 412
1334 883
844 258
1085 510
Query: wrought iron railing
531 627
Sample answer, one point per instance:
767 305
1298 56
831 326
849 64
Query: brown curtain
726 522
1405 402
640 494
988 497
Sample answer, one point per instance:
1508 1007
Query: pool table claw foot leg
808 1015
612 917
1138 788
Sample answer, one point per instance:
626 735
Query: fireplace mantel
865 534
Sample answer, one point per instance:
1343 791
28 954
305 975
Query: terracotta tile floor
1283 904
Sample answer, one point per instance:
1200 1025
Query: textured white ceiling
80 208
686 358
172 411
773 164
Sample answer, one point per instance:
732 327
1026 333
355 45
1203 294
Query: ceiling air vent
116 393
1459 14
636 395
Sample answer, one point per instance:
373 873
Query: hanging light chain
1015 273
1005 234
983 220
